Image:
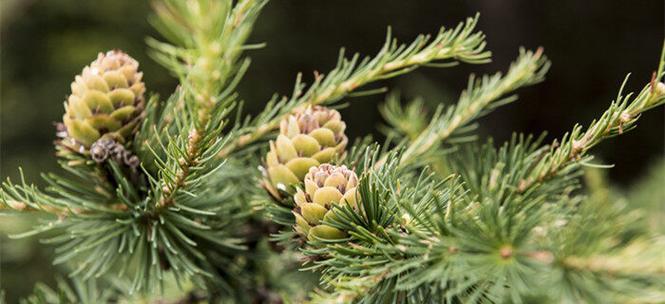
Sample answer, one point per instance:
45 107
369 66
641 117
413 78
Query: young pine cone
325 186
306 139
106 100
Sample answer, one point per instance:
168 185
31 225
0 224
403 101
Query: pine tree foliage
647 194
437 216
481 96
72 291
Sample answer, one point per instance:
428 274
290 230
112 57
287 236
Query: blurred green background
592 44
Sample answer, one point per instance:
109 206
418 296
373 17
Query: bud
311 136
660 89
325 186
106 100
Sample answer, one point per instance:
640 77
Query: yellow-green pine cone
106 100
325 185
307 138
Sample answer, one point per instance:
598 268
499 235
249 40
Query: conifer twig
617 119
460 44
489 92
205 67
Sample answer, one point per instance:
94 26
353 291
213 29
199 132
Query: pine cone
106 100
307 138
325 185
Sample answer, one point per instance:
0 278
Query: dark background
592 44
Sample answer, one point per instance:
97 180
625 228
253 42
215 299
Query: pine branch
486 234
616 265
403 121
485 253
87 196
601 252
87 183
71 291
493 172
460 44
620 117
168 226
211 38
457 245
480 97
